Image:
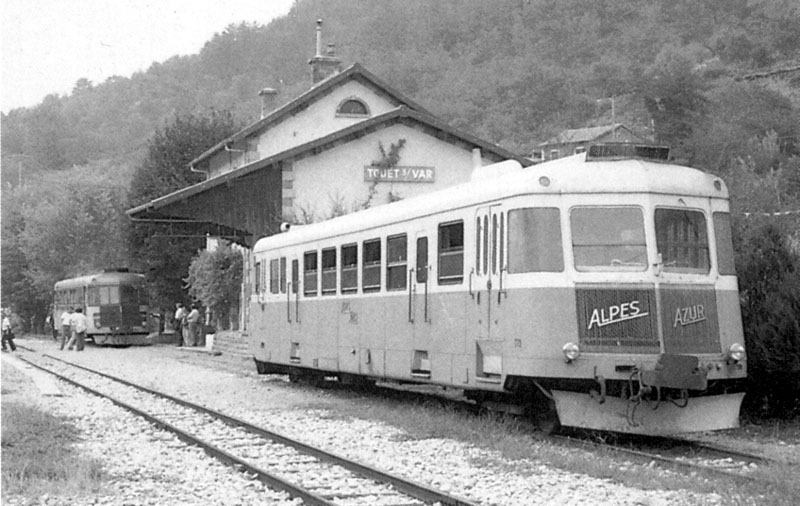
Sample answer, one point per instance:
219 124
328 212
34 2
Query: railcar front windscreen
608 239
682 240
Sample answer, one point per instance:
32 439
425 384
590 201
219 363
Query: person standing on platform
180 316
78 324
8 334
193 321
66 328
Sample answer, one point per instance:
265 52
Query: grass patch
38 457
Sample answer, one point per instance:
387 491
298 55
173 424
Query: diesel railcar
114 301
596 291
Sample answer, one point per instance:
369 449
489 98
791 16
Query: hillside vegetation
513 72
718 81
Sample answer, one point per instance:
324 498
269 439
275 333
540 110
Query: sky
47 45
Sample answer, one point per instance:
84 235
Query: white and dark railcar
114 301
595 291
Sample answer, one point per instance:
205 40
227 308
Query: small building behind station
577 140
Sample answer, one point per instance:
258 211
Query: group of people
73 329
188 326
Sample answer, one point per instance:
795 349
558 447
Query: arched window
352 107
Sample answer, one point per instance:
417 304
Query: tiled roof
320 89
582 134
400 114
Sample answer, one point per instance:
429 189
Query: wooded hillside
511 71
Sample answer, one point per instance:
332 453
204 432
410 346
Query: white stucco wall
318 120
336 176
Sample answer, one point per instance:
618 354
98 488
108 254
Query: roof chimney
268 96
319 38
324 65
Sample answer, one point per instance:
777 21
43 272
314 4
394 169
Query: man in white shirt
66 328
8 334
78 324
193 321
180 316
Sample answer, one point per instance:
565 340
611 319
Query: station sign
400 174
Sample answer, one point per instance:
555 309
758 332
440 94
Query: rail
416 490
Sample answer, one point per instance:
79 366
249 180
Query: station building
350 142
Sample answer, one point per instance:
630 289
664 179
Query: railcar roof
571 175
101 278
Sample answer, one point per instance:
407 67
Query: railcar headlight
571 352
735 352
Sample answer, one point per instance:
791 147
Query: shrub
769 277
215 278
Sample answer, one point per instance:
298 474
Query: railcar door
293 296
487 290
419 303
423 361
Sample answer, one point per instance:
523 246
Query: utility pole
613 115
613 121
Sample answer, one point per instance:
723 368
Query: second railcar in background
595 291
115 303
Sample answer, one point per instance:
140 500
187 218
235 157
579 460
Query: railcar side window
722 231
108 295
682 239
295 275
129 294
451 252
478 232
485 246
274 276
608 239
349 268
396 262
494 243
371 275
534 240
329 271
502 241
310 273
422 260
283 275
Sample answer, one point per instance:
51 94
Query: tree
157 249
68 223
769 274
215 279
674 95
739 114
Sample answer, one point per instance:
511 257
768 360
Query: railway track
315 476
683 453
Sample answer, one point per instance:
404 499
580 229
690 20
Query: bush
769 278
215 278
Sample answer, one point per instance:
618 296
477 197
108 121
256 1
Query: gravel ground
149 466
